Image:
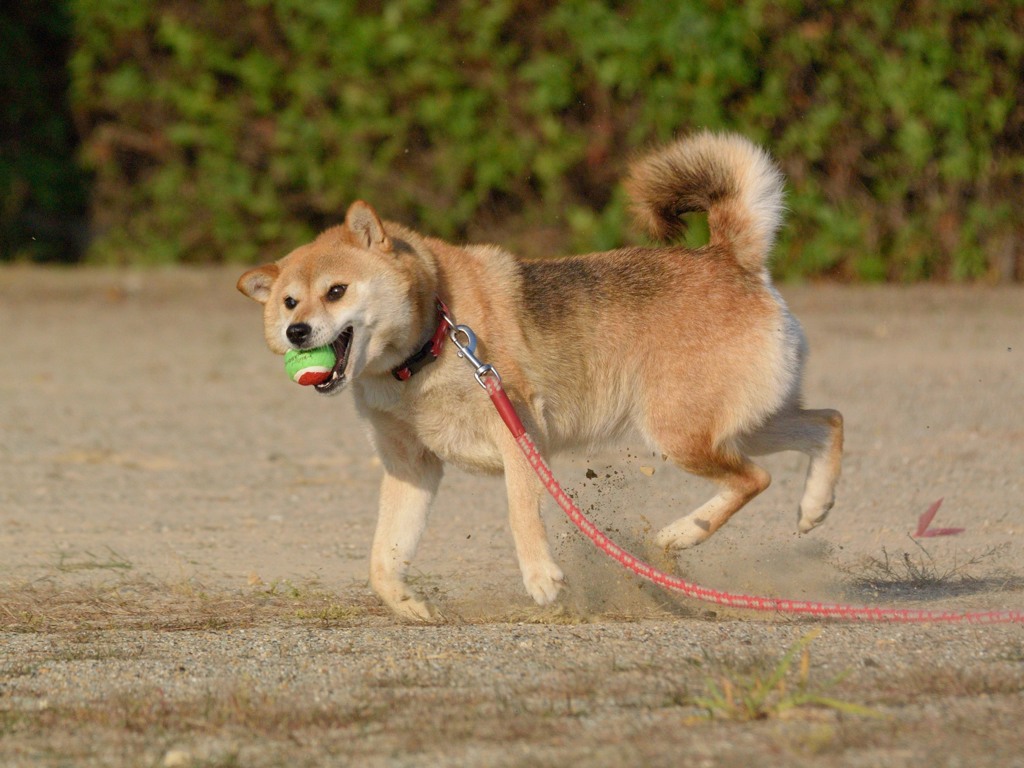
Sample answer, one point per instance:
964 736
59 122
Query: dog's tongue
340 346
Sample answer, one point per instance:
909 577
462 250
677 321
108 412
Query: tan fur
693 350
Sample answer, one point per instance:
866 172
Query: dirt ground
184 537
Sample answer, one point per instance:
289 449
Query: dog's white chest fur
444 420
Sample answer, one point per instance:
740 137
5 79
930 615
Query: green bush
230 130
43 192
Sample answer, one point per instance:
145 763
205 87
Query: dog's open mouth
341 347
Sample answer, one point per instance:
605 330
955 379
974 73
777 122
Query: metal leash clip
467 350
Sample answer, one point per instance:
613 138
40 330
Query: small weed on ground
906 574
68 562
772 691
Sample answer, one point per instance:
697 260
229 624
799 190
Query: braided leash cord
492 383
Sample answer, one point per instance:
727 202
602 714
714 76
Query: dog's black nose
297 333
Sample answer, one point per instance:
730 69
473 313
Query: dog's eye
336 292
290 303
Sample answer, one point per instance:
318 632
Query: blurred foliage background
44 191
231 130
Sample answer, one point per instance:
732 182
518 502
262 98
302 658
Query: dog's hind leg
739 480
817 433
406 492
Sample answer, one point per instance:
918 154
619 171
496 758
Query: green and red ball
309 366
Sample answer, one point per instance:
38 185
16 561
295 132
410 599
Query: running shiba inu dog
693 350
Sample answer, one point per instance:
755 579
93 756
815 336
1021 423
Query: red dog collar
430 351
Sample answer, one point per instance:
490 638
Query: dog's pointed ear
365 227
257 282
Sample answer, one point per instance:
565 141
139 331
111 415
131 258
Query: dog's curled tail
736 182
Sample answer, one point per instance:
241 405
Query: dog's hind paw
807 521
683 534
543 581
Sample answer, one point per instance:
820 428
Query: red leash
489 379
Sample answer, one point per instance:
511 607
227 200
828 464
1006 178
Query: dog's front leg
406 492
542 577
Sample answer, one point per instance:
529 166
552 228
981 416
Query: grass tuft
906 574
773 691
69 562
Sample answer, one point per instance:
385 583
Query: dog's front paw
543 581
413 609
404 603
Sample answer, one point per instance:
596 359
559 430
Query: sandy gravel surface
184 538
